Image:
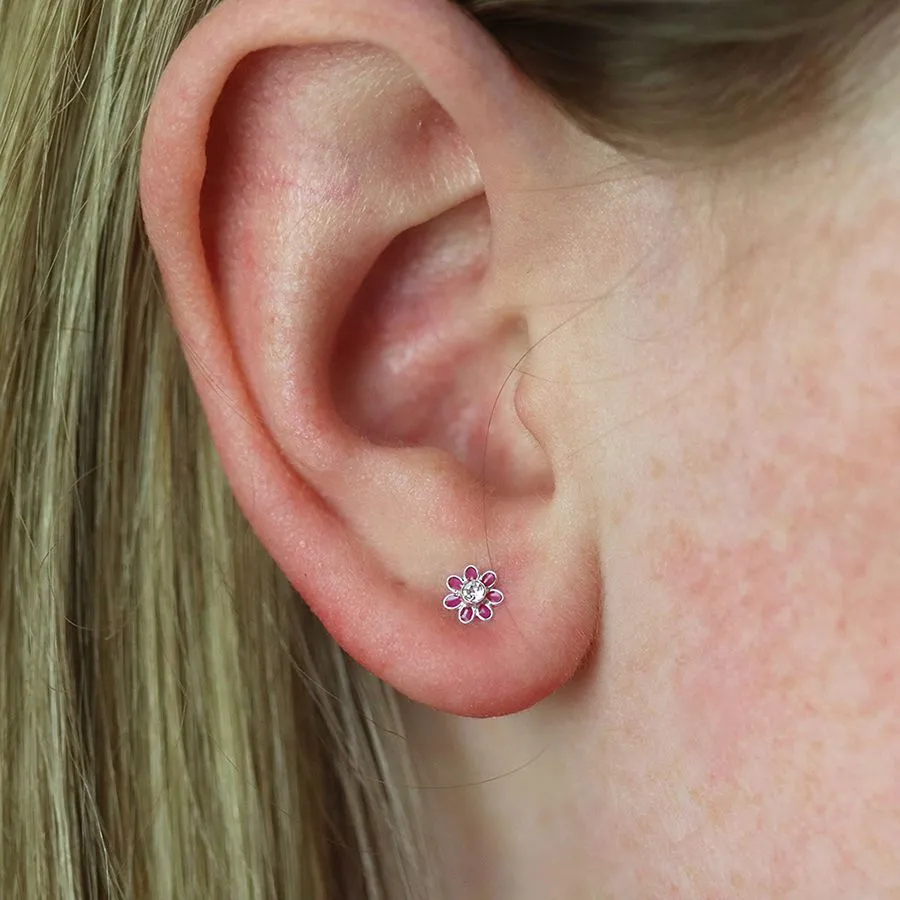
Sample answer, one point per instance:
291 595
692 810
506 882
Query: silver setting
472 595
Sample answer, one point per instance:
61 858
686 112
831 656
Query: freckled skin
767 612
732 412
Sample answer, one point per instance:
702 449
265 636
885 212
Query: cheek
775 584
787 562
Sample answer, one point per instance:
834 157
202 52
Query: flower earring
473 595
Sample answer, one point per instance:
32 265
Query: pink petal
495 597
471 573
466 614
488 578
451 601
485 612
454 583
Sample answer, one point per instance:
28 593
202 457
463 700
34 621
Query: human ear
329 192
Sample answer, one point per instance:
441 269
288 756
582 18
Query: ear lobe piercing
473 595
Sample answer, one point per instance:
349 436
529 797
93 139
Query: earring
473 595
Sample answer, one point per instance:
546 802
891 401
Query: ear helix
473 596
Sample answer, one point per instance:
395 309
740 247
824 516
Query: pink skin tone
733 412
669 403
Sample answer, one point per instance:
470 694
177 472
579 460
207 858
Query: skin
675 436
732 416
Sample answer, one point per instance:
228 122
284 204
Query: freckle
657 468
729 397
672 562
882 283
778 540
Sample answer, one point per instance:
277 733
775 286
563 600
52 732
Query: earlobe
317 187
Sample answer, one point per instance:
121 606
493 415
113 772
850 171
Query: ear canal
423 359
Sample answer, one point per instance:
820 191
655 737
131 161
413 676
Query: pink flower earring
473 595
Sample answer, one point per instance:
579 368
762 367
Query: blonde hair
173 722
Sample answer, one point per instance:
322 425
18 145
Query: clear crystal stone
473 592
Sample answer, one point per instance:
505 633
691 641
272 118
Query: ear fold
318 184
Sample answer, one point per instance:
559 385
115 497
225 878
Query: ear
327 188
